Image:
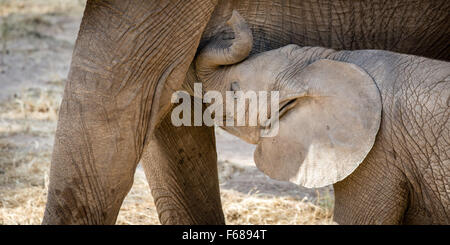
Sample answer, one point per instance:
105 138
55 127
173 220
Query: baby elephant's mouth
286 106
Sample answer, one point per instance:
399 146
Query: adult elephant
130 56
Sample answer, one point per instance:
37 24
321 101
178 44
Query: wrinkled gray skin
404 178
407 173
131 55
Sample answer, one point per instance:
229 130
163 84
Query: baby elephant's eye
235 86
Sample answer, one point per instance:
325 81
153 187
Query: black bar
228 234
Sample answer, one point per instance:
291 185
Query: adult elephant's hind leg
181 166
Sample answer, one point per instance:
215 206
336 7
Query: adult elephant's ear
330 130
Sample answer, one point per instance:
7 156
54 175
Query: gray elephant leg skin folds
373 123
191 194
123 69
382 116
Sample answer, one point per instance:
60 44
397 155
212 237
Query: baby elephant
373 123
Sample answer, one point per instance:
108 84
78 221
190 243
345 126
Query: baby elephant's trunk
225 52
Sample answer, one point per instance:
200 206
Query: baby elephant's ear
329 132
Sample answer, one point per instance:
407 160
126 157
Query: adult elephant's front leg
181 166
127 57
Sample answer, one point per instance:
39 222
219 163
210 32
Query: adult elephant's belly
418 27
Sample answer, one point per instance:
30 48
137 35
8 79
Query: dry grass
26 123
39 6
33 104
252 209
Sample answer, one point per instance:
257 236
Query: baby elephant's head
329 112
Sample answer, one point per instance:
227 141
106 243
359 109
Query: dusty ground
36 41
